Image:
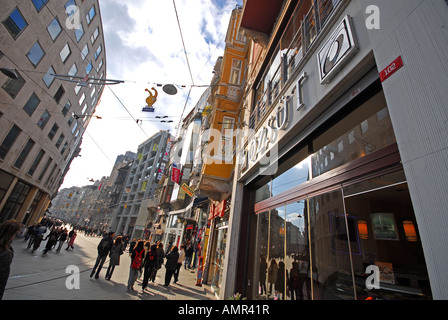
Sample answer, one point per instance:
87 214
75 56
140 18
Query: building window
32 104
54 29
36 162
79 32
15 201
24 154
236 71
64 147
73 70
39 4
44 170
13 86
15 23
59 142
49 77
66 108
58 95
91 15
9 141
98 52
85 52
99 66
35 54
95 35
43 119
53 131
65 52
89 68
81 100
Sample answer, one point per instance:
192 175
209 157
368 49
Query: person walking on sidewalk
179 263
8 231
115 252
62 239
72 236
160 258
137 256
171 264
188 255
52 240
103 250
149 265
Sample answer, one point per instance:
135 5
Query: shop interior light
362 229
409 230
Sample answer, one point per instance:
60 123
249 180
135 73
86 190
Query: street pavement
35 276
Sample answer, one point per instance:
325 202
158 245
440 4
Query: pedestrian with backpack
137 256
103 250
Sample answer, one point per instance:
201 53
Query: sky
144 47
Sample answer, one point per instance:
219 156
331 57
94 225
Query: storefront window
330 248
219 258
365 130
387 233
297 251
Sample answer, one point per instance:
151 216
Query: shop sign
187 189
337 51
165 159
391 69
217 209
266 138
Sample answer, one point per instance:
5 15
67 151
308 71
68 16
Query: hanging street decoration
151 100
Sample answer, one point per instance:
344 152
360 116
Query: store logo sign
336 52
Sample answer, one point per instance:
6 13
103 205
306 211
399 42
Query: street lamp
85 81
10 73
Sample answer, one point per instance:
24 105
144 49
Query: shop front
336 221
219 217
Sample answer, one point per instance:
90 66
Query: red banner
217 209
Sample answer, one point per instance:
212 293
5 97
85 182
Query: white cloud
144 47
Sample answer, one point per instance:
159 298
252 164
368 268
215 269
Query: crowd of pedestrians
146 259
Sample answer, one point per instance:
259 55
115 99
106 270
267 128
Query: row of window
15 23
8 142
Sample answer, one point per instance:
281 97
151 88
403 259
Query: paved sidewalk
35 276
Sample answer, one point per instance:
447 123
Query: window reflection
331 270
362 132
297 252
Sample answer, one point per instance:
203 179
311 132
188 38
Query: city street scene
65 275
241 154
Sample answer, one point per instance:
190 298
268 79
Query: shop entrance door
219 258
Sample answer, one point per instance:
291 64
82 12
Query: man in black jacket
103 250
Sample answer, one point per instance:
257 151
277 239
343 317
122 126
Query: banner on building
188 190
175 173
217 209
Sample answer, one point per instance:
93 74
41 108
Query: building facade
340 172
42 116
135 209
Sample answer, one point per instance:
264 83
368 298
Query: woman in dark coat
115 252
171 264
8 231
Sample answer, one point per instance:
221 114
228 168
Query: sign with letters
338 49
